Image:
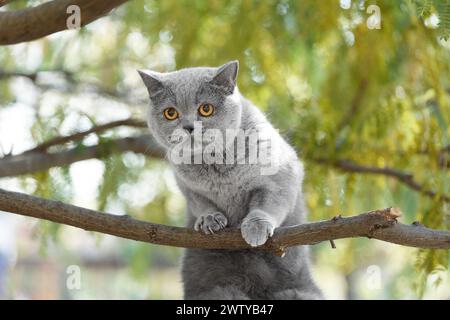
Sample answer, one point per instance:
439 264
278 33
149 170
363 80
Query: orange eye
206 109
170 113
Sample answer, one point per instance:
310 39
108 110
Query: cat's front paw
211 222
256 230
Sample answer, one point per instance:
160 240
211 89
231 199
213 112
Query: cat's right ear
152 81
226 76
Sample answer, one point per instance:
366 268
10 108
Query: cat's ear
152 81
226 76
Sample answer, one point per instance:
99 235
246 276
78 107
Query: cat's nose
189 128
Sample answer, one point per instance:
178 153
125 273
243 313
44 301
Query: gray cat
230 194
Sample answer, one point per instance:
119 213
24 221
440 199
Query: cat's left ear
226 76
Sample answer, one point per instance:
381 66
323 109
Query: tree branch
37 159
34 23
354 106
11 74
403 177
378 224
29 162
125 95
4 3
80 135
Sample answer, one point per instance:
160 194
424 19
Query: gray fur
232 195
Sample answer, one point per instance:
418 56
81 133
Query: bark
30 162
37 22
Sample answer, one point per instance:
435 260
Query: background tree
367 109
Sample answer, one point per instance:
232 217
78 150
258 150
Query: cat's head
181 98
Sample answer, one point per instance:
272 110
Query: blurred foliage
426 8
334 87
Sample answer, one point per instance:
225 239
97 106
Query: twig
4 2
80 135
403 177
75 85
354 106
333 245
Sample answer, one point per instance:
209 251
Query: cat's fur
232 195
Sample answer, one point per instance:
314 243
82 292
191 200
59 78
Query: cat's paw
256 230
211 222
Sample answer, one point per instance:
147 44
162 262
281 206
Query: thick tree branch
378 224
34 23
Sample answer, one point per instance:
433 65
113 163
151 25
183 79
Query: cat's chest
221 184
